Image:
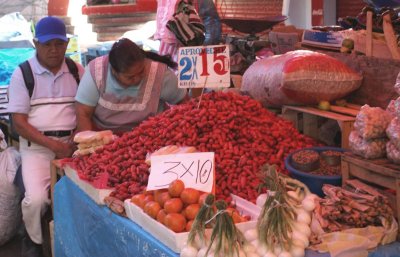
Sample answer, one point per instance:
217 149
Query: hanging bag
187 25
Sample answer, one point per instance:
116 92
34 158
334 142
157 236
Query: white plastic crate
95 194
176 241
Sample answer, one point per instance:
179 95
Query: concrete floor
12 248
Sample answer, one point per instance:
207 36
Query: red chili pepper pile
242 133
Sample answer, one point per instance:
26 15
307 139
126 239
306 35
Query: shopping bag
187 25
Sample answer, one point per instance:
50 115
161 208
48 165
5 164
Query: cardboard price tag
204 66
196 170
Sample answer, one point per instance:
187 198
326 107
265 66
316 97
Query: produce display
242 134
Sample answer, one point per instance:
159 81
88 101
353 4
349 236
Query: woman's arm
84 115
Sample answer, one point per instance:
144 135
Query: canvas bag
187 25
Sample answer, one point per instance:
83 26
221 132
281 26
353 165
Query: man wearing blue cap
45 119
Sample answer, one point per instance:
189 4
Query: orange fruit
173 205
162 198
138 199
152 208
190 195
158 192
236 217
176 222
189 225
161 216
176 187
191 211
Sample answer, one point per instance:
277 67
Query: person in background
121 89
44 121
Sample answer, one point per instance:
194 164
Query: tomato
189 225
236 217
176 187
161 216
138 200
190 195
152 208
162 198
176 222
191 211
173 205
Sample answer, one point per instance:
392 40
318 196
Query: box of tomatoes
168 218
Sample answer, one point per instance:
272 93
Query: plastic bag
90 141
10 196
371 122
170 149
397 84
369 149
393 132
391 108
393 152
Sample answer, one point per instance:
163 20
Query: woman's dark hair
125 53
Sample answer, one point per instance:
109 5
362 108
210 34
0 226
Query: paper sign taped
204 66
196 170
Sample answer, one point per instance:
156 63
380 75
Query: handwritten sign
196 170
204 66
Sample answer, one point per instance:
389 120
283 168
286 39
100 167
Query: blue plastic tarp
84 229
10 58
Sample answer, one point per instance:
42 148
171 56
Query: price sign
204 66
196 170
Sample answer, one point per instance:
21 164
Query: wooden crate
380 172
308 117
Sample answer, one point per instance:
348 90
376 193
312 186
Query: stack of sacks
368 139
89 141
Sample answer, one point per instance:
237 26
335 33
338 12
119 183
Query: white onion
302 227
252 254
188 251
284 254
277 249
261 199
251 234
262 249
303 216
295 196
297 251
202 252
269 254
248 248
255 243
308 204
300 236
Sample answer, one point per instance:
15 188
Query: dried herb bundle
277 214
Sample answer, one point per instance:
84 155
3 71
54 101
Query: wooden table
55 173
380 172
344 116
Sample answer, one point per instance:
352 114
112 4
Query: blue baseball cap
49 28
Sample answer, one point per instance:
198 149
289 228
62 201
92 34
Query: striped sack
187 25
